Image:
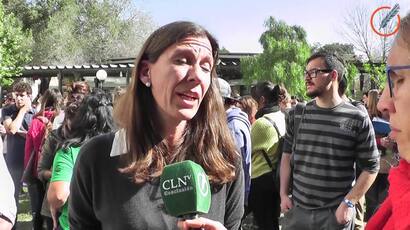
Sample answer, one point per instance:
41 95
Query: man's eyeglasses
389 71
313 72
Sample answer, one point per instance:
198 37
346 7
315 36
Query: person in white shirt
8 207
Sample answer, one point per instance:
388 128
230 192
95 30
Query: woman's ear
335 75
144 73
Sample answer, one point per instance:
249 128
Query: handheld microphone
185 189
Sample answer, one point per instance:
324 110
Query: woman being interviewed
171 112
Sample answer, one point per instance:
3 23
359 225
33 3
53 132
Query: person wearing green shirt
63 166
94 117
264 200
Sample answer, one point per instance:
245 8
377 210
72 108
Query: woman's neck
174 133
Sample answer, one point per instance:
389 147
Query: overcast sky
238 24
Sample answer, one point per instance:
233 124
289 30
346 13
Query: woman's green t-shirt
63 166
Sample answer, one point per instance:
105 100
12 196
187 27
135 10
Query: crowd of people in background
91 162
34 135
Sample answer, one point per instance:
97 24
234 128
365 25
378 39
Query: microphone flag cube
185 189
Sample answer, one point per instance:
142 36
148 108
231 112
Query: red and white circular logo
385 20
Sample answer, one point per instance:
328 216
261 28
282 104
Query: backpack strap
273 124
239 118
265 155
279 152
299 110
355 103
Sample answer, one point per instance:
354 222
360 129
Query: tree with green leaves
285 51
82 31
93 31
377 74
14 47
34 15
352 74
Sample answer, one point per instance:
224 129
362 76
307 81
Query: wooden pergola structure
120 70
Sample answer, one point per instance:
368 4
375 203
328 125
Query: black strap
299 110
5 218
265 155
239 118
355 103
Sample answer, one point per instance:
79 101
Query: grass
24 215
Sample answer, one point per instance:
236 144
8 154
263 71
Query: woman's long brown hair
373 98
404 31
206 139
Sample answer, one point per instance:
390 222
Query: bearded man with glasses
325 141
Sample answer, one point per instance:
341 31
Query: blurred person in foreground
8 209
394 211
171 112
